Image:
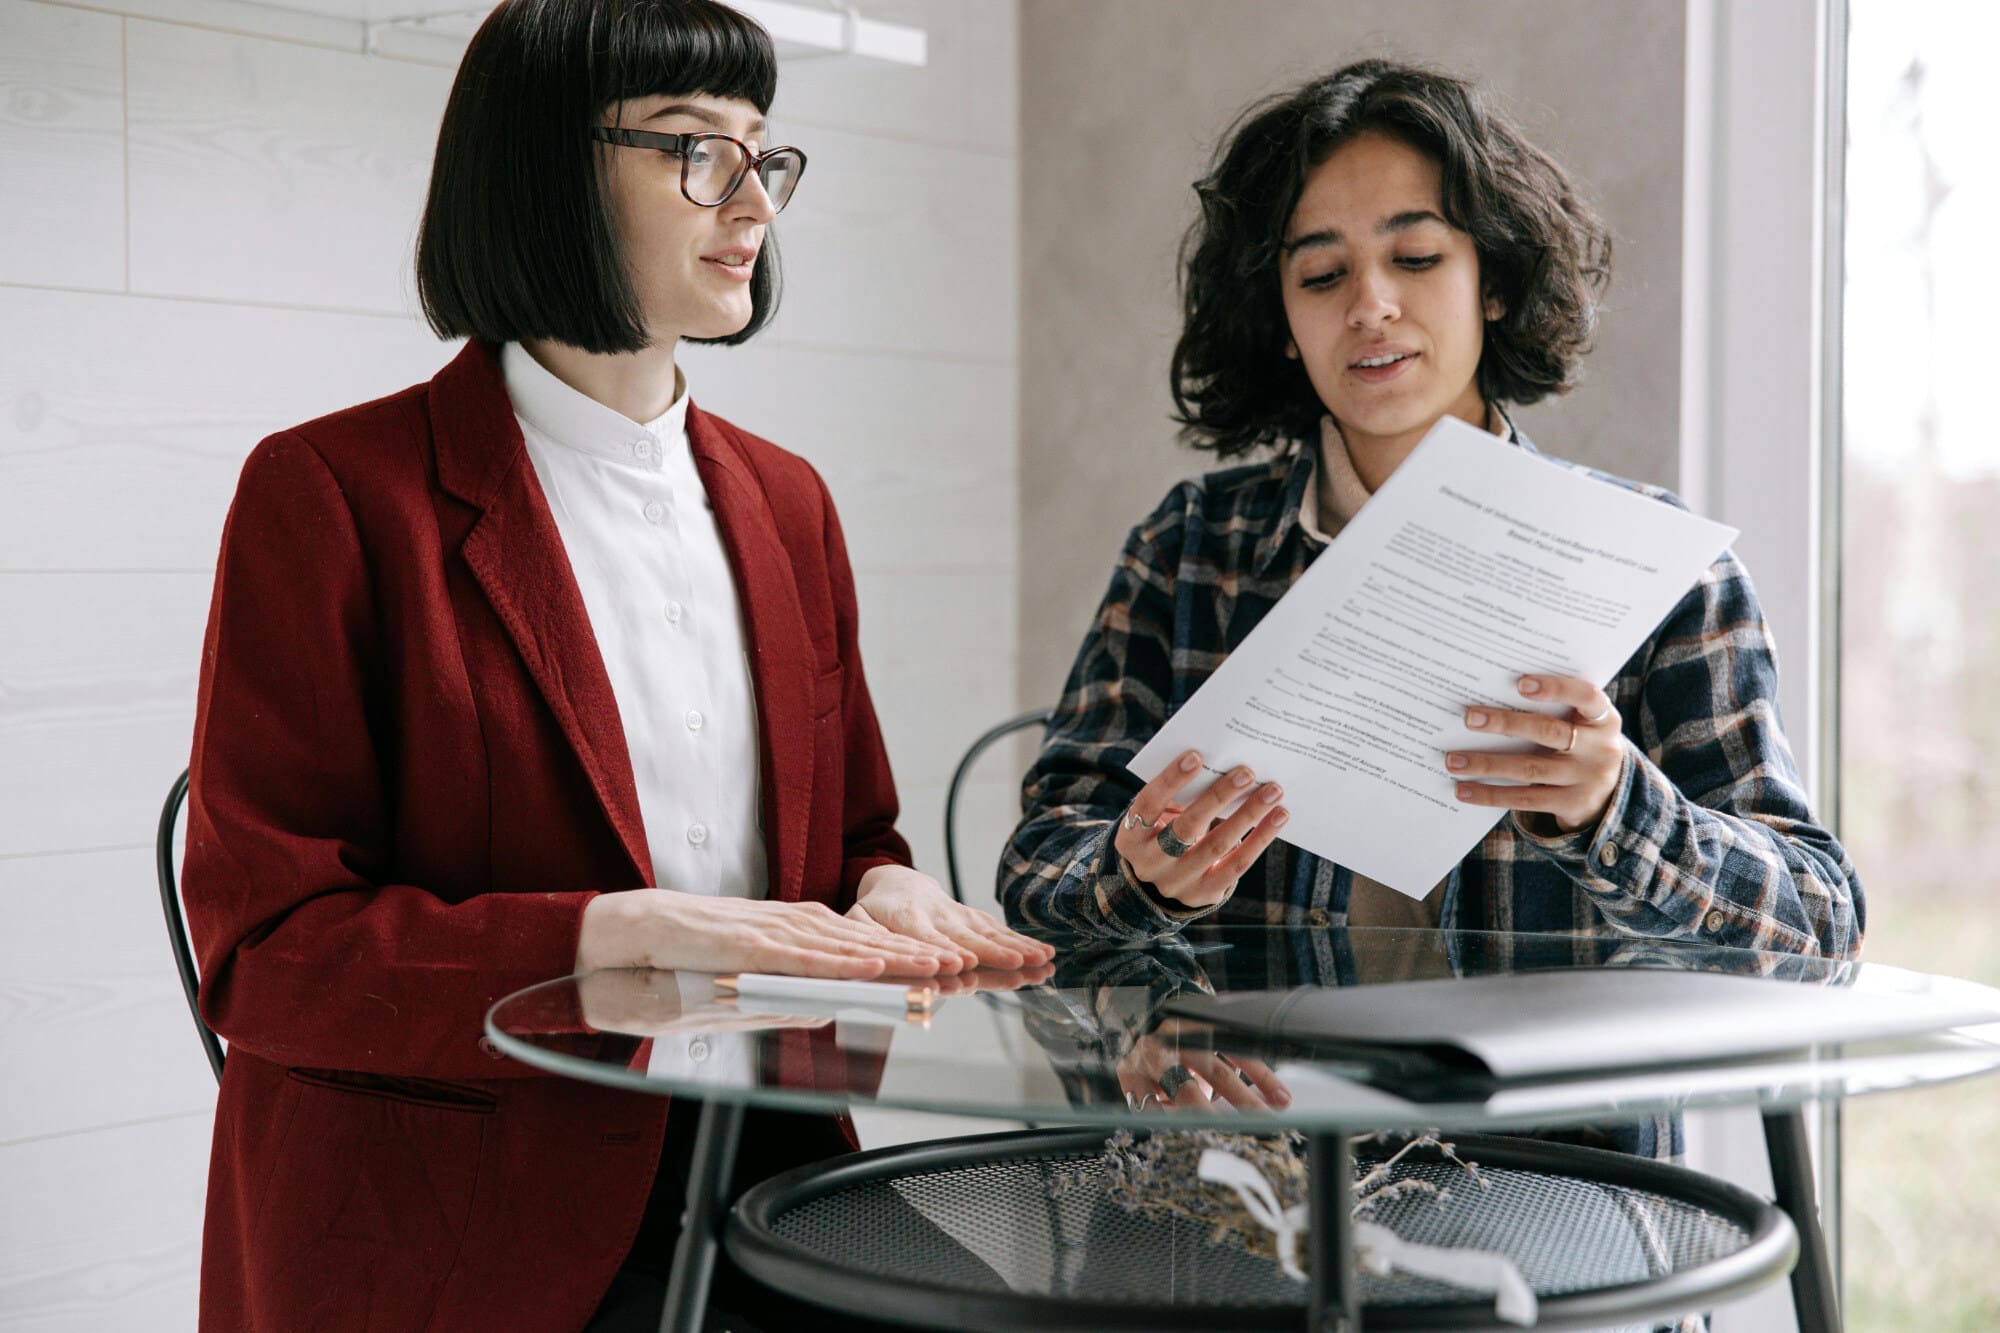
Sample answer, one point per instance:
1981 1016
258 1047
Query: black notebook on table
1553 1024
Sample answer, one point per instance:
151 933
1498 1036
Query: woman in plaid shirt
1376 250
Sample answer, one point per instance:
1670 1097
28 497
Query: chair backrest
177 936
1038 718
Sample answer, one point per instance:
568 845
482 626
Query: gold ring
1571 743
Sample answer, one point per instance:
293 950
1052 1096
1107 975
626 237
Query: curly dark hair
1542 251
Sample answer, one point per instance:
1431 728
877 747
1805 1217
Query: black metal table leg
1335 1303
1813 1294
709 1169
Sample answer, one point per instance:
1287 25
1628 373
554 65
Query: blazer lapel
781 654
516 554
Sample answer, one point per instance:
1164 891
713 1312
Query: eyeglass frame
680 144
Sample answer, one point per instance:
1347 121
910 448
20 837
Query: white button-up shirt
648 558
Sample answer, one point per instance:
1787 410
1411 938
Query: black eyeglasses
713 165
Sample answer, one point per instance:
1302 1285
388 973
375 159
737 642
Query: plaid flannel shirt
1708 835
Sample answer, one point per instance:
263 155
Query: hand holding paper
1475 565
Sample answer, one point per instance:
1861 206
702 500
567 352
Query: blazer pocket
829 688
434 1093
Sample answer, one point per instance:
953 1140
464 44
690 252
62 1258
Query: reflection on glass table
1327 1033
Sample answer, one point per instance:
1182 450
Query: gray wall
1122 102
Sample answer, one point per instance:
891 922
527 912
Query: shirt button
697 834
655 512
488 1047
1608 854
694 720
644 449
674 613
697 1050
1319 916
1712 923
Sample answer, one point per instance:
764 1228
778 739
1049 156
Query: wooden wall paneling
62 147
270 172
124 421
102 1230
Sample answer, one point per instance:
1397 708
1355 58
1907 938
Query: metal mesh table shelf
976 1234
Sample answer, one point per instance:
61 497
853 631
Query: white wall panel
76 911
62 147
274 178
919 455
99 1051
909 248
102 1232
124 421
931 644
966 96
274 173
97 709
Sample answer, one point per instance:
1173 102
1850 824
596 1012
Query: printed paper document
1475 564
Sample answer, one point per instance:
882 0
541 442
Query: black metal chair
1039 718
170 903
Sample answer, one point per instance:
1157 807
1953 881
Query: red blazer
409 776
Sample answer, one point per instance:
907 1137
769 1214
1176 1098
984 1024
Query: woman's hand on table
1214 851
671 931
916 907
1571 776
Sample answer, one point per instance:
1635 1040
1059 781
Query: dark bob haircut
1542 251
518 240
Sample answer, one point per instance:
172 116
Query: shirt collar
575 420
1299 507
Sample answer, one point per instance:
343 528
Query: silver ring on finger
1173 1078
1241 1072
1594 721
1172 843
1133 819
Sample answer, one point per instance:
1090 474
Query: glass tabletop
1291 1027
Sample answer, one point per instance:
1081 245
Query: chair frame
1039 717
177 936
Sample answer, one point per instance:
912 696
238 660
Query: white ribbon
1221 1167
1380 1248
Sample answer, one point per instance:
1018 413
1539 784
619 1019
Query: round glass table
1538 1055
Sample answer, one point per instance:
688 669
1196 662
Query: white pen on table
879 994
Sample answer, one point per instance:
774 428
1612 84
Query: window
1919 644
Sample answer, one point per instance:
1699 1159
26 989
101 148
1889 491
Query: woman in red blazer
413 786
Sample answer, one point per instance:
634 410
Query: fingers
1189 878
1260 1076
794 960
1552 770
1553 732
992 944
1228 1085
1155 796
1222 878
1591 705
988 979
